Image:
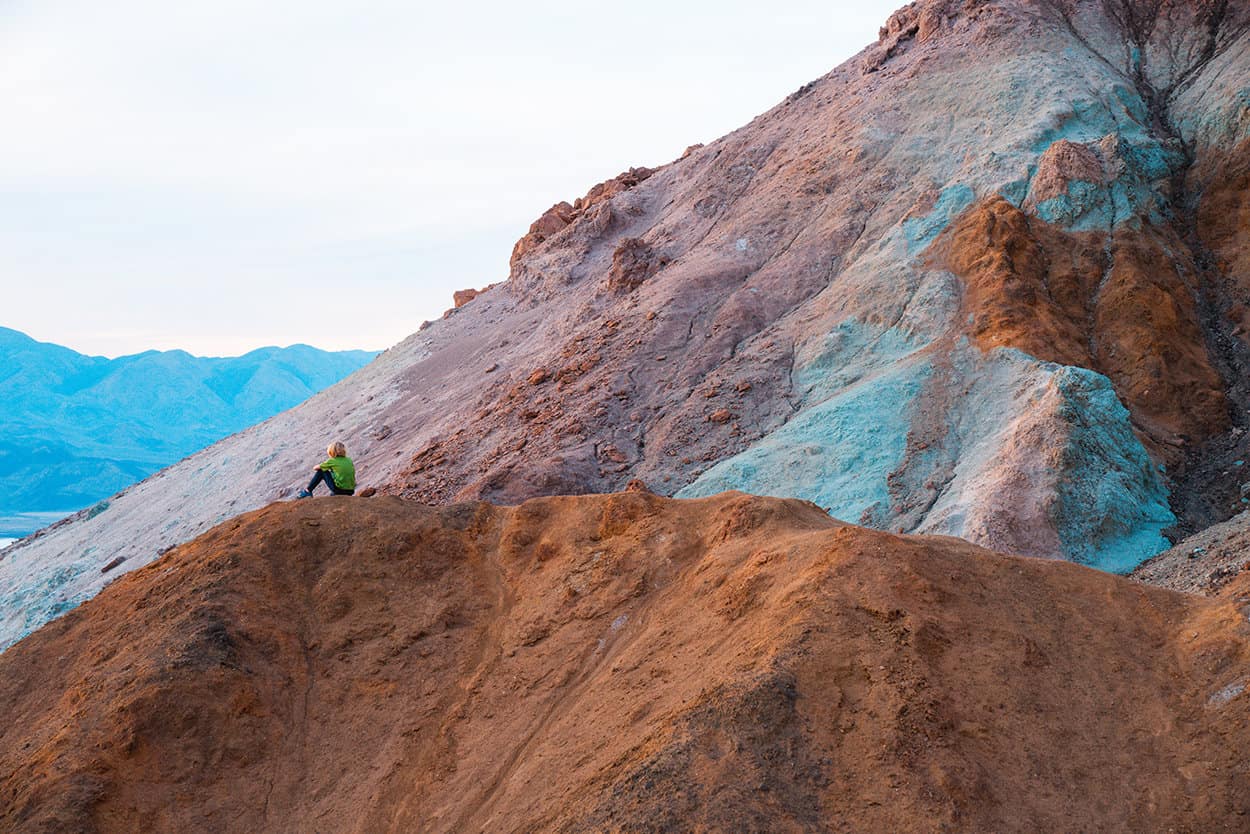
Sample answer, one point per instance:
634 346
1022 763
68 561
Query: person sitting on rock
338 473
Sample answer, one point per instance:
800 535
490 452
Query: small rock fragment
463 297
613 454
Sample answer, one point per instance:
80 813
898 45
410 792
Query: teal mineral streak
42 601
1112 506
1241 117
850 351
1084 207
1131 103
921 231
1016 191
837 454
1130 197
1153 160
1145 163
1082 121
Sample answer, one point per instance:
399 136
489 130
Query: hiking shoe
303 493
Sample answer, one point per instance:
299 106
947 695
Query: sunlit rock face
621 662
987 278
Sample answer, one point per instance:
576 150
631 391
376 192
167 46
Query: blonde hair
337 449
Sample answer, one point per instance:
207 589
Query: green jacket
342 470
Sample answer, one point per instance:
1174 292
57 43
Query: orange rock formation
1094 300
621 663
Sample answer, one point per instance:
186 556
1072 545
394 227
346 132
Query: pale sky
218 175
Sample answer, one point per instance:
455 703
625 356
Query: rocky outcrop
462 297
1096 302
621 662
633 262
1205 563
553 220
562 215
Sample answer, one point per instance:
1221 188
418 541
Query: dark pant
324 475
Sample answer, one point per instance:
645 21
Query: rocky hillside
622 663
986 279
75 429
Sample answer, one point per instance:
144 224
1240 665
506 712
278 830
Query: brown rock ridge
621 663
1224 219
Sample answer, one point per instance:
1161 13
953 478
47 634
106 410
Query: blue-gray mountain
76 429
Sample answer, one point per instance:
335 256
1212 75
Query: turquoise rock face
921 231
1112 506
1138 164
1085 206
1086 120
1016 191
1022 428
1138 172
837 454
42 600
851 351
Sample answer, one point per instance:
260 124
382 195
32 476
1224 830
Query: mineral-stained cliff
986 279
622 663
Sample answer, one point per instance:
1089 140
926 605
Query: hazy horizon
374 350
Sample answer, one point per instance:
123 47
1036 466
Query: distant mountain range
75 429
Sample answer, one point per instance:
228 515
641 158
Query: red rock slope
621 663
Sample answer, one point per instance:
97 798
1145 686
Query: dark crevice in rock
1167 46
